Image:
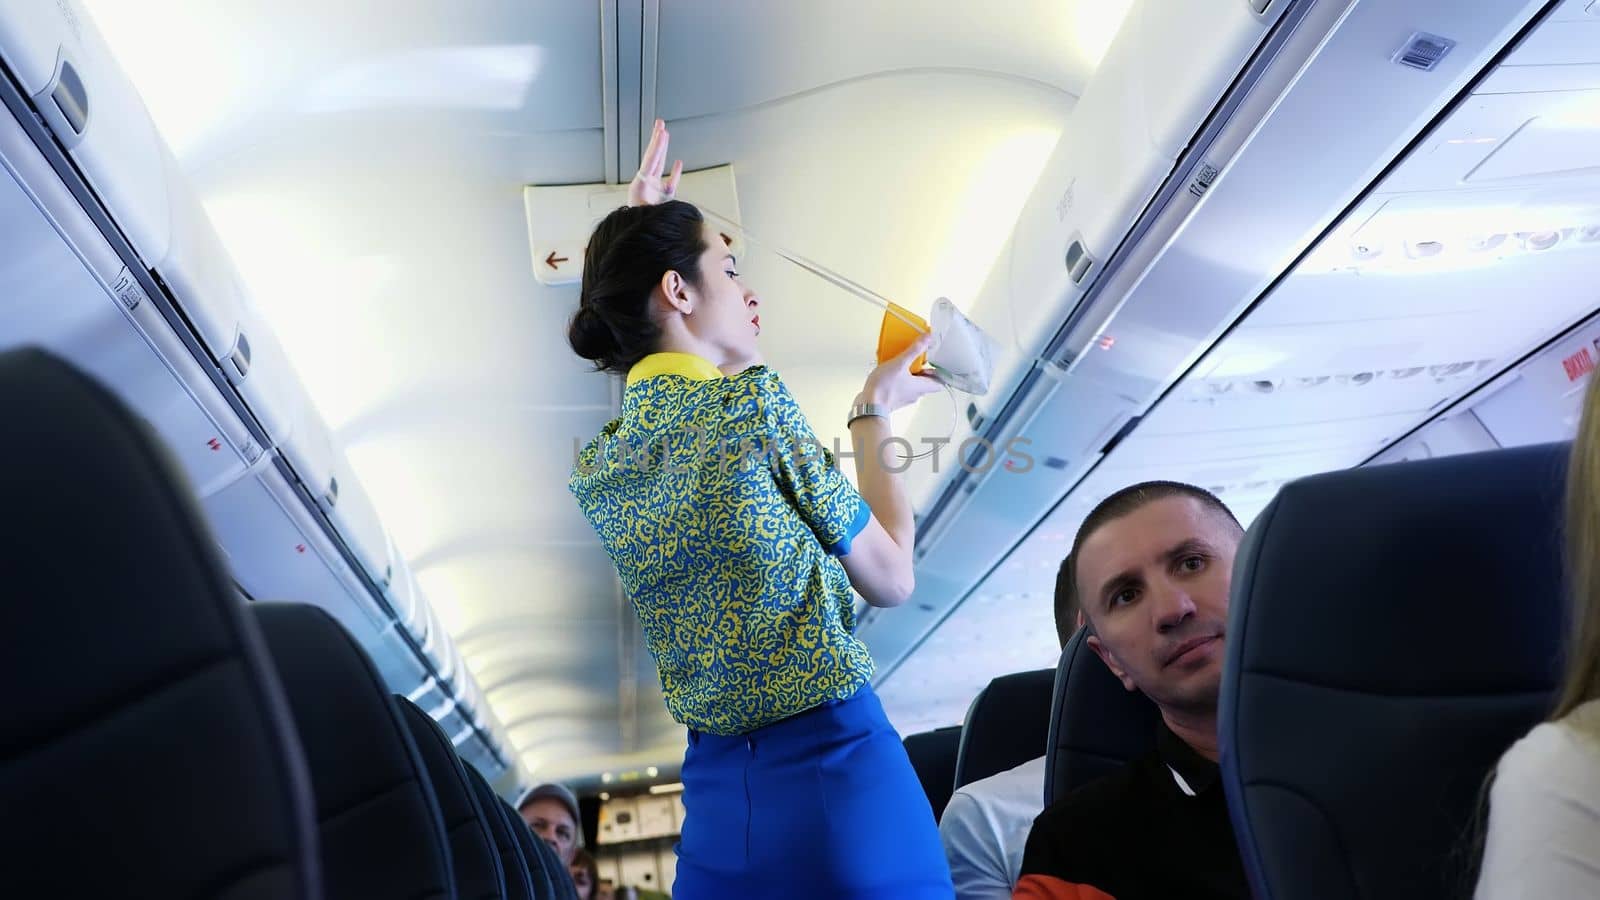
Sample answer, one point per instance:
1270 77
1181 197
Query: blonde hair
1582 681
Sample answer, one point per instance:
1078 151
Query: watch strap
863 410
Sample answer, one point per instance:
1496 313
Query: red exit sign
1578 364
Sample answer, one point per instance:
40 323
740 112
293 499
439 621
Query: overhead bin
184 347
1160 79
279 553
1538 402
354 515
59 58
197 270
399 665
436 644
1186 259
66 289
428 693
404 594
259 371
90 105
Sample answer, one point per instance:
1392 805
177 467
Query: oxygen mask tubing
963 358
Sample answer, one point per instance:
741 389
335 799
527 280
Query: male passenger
1150 568
985 826
552 812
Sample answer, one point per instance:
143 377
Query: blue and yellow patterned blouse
723 516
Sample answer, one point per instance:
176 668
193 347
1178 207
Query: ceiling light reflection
487 78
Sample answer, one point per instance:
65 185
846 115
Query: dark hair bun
591 338
628 253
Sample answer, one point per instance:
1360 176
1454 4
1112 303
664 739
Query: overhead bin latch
64 105
1080 265
239 360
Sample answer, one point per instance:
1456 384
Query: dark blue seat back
1096 726
1007 725
473 855
1392 631
519 881
550 876
933 757
146 747
381 830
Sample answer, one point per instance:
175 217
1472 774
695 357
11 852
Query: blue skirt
822 804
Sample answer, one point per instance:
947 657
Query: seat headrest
1096 726
560 875
473 855
544 867
381 829
519 882
1392 631
933 757
1007 725
147 747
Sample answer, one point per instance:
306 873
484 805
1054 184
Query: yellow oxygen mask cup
962 358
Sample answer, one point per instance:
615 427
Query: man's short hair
1122 503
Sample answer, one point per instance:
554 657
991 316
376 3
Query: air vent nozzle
1424 51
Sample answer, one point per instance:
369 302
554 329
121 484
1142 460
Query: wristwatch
862 410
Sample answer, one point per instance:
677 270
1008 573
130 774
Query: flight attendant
739 542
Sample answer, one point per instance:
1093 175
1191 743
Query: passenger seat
473 854
519 880
1096 725
1007 725
933 758
147 747
543 863
381 829
1392 631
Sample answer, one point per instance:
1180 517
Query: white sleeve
1544 820
975 850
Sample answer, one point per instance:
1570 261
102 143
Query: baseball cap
560 793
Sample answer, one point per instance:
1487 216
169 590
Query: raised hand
648 187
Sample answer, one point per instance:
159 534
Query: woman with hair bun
740 543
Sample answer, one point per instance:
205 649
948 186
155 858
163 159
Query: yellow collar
688 365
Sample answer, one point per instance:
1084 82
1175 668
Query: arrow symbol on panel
553 259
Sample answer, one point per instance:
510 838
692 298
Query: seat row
1392 630
165 738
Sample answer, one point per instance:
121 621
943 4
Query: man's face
1154 585
551 820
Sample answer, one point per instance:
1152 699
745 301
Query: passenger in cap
985 825
1544 807
1150 568
552 812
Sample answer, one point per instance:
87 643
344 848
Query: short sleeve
977 858
1544 819
806 472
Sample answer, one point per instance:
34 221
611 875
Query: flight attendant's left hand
648 187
